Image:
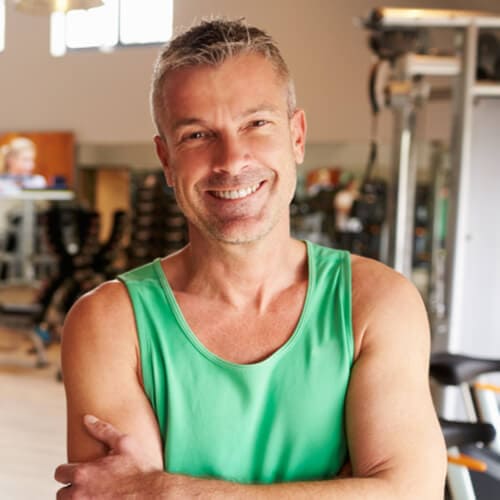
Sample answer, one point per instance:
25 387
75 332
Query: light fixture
46 7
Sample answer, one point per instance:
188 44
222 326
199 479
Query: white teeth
236 194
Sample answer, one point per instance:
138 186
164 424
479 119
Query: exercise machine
415 67
481 407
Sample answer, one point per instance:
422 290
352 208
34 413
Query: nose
230 154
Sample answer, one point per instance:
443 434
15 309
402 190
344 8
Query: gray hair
211 43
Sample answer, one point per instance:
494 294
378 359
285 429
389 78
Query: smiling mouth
236 194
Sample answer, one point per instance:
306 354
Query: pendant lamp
46 7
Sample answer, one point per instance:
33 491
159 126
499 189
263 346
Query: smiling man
248 364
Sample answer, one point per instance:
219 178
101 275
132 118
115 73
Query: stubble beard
238 229
220 232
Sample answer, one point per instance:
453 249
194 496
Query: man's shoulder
376 281
109 297
100 326
99 317
383 302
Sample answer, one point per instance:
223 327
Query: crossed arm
395 444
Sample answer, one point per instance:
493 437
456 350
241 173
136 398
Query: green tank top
280 419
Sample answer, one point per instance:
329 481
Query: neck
241 274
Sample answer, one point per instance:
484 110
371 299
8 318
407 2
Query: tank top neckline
204 351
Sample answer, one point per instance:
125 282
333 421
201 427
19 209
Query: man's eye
198 135
258 123
194 136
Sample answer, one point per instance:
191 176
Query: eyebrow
259 109
185 122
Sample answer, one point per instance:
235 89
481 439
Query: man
226 369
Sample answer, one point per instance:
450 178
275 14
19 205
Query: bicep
391 423
100 373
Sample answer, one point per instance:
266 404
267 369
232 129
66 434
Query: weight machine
464 289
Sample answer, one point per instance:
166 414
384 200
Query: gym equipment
478 395
465 286
82 263
158 225
488 48
481 405
458 435
23 258
103 260
20 319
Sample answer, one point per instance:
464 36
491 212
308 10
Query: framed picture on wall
49 155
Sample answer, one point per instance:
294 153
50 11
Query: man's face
230 148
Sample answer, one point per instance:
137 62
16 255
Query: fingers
103 431
65 493
65 473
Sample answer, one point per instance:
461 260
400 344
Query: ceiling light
45 7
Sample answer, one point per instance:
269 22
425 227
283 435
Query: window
2 25
117 22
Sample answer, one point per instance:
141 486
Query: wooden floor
32 421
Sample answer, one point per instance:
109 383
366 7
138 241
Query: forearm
179 486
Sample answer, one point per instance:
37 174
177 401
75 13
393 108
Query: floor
32 420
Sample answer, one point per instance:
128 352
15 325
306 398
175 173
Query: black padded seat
454 369
20 309
462 433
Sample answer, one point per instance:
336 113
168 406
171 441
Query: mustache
219 180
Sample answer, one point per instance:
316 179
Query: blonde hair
12 148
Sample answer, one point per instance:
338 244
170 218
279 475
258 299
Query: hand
124 473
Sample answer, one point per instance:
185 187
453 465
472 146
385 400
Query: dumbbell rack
158 226
467 321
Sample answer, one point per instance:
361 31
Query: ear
162 152
298 129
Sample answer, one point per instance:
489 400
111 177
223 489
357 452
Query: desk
29 198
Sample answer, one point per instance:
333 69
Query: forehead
241 82
22 152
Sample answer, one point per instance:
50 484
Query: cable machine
465 273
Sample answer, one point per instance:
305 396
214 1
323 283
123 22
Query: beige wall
103 97
485 5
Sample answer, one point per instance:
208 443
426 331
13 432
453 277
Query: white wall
103 98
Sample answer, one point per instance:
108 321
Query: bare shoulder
108 299
98 320
374 282
383 300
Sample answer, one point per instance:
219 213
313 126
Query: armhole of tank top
143 341
347 271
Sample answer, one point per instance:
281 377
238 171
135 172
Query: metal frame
395 17
461 172
486 410
25 256
464 91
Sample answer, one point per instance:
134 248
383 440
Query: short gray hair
211 43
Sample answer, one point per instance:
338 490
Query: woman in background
18 165
17 162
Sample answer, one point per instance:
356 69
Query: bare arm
101 374
392 427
